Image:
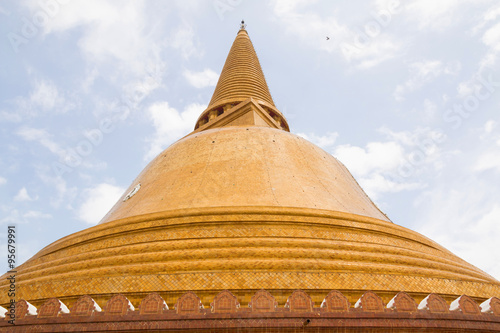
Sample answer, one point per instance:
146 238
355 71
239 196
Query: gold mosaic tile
210 282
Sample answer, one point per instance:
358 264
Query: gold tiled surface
245 249
244 166
225 246
241 79
207 283
242 75
206 223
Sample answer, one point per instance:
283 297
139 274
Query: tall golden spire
241 80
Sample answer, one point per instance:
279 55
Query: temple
244 226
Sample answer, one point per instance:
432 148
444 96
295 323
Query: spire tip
243 25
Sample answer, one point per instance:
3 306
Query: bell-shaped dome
249 166
242 204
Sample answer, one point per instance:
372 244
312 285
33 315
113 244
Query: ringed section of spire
241 78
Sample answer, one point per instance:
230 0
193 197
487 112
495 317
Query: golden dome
244 167
242 204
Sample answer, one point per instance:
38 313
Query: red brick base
299 314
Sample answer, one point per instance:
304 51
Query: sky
405 94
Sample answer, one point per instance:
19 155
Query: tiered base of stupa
245 249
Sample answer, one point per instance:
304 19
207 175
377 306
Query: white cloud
23 195
488 152
137 90
491 38
488 160
424 138
487 233
288 7
15 216
365 45
375 157
462 218
183 39
44 98
490 28
46 95
2 180
323 141
460 209
89 79
97 201
376 184
370 53
121 43
69 158
96 17
124 34
490 125
205 78
44 138
33 214
170 125
396 164
64 194
434 15
488 15
423 72
11 216
429 110
466 88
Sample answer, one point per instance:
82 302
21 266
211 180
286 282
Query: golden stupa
242 204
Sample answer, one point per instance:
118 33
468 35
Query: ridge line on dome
408 254
371 268
359 246
255 211
225 210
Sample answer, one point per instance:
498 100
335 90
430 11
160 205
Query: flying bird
327 38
